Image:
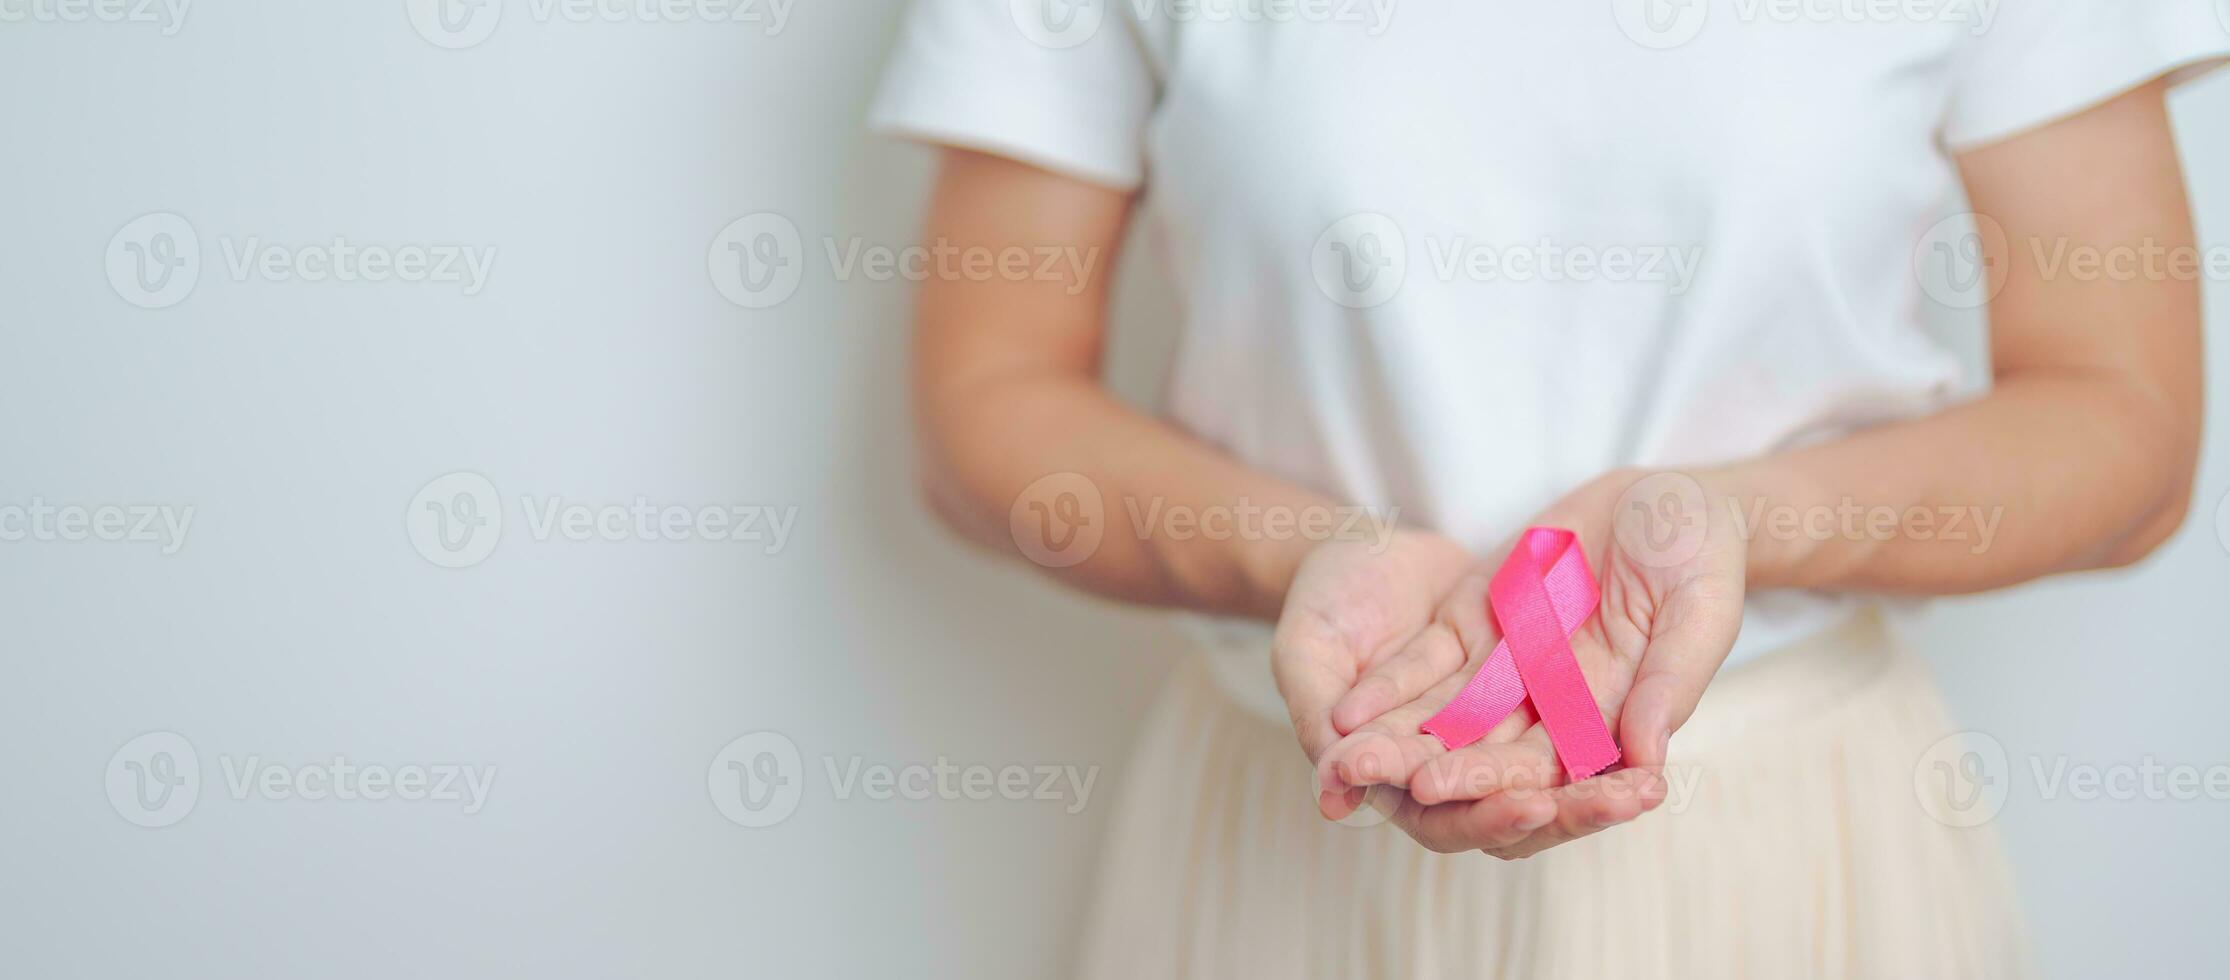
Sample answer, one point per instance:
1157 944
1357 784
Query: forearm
2048 473
1180 523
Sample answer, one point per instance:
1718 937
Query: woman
1647 274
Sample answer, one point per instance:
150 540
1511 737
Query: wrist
1744 495
1268 568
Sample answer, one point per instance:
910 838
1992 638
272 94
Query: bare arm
2084 450
1007 392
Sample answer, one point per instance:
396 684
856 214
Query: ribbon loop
1539 597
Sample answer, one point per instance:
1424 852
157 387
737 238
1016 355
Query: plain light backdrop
600 680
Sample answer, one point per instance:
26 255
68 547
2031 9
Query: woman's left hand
1672 569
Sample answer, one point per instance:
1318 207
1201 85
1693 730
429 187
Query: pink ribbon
1540 596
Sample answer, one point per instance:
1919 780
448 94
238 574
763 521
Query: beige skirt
1796 842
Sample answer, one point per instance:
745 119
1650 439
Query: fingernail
1329 807
1534 821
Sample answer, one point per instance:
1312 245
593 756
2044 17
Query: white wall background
600 679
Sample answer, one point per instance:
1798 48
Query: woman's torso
1465 263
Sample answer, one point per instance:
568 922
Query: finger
1588 807
1484 768
1458 641
1337 804
1313 672
1427 660
1389 748
1500 821
1375 757
1688 642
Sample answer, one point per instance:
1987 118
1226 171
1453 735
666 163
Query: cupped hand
1351 609
1672 570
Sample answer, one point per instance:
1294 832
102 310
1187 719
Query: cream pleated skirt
1796 842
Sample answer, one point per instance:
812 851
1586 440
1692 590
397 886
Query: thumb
1312 675
1682 656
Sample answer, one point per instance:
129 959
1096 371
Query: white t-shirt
1462 257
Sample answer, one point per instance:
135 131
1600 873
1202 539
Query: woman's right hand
1351 606
1354 608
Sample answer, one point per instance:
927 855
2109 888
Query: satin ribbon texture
1540 596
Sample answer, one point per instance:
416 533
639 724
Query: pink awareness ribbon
1540 596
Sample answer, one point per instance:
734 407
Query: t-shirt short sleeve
1059 84
2044 60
